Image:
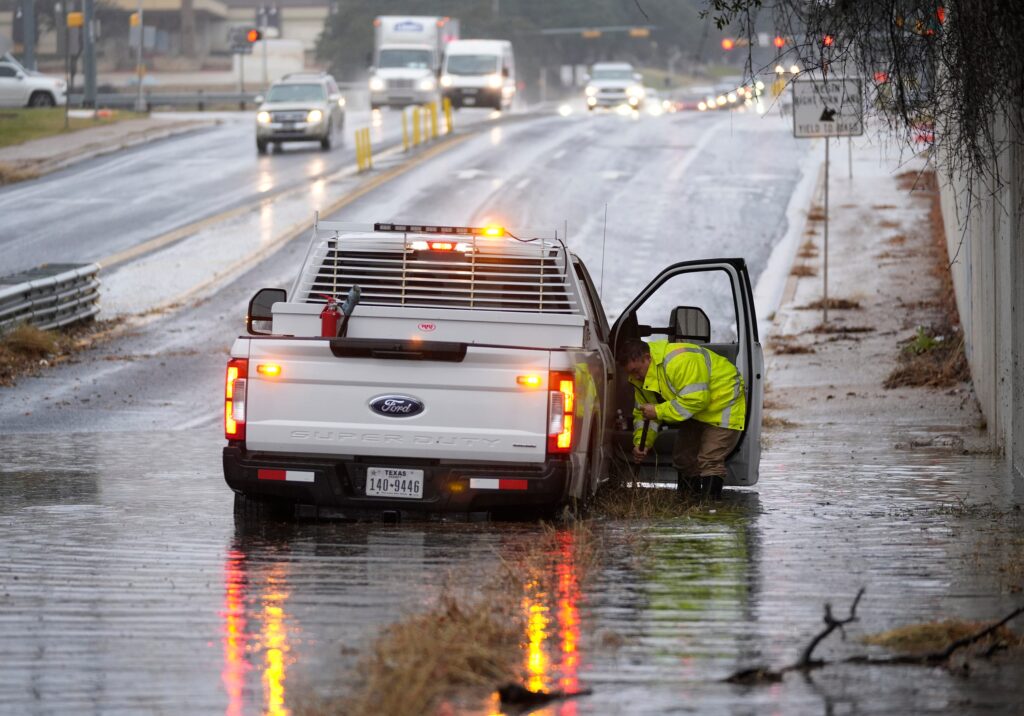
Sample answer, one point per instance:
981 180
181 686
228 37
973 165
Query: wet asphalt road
105 205
127 587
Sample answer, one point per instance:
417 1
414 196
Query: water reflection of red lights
235 663
552 650
272 640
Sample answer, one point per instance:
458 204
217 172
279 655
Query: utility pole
263 32
89 59
140 70
28 33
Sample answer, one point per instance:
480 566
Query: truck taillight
234 398
561 406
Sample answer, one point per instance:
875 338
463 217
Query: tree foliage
952 67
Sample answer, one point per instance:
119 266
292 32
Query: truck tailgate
472 409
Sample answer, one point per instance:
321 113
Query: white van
479 73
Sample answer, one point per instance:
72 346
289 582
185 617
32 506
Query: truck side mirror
260 314
690 324
258 99
504 72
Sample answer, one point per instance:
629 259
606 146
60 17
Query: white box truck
472 372
407 54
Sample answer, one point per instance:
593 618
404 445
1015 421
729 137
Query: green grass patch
23 125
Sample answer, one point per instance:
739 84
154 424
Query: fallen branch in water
764 675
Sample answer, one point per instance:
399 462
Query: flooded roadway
127 587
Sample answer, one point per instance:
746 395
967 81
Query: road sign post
827 108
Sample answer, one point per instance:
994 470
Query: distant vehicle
20 87
407 53
611 84
301 107
479 73
459 369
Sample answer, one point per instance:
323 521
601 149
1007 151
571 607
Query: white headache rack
438 267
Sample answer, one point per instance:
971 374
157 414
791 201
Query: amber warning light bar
453 230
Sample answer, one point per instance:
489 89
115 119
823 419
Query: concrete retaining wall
984 234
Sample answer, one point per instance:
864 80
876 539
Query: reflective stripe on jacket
693 382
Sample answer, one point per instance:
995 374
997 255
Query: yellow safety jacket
687 381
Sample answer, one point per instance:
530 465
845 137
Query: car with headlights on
300 107
611 84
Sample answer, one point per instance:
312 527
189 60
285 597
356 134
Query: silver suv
300 107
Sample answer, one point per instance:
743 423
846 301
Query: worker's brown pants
700 449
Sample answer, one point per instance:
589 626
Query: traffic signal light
827 40
253 35
779 41
728 44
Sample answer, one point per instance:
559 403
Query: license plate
470 90
288 126
470 100
394 482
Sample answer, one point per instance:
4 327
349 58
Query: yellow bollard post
368 149
447 115
415 126
425 130
433 120
359 150
405 132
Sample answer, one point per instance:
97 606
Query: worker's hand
649 411
639 453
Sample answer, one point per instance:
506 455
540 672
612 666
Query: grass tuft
842 304
935 636
803 270
29 341
12 173
933 357
635 501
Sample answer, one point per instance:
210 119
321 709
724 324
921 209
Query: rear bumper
336 486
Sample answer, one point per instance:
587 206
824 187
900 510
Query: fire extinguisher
329 317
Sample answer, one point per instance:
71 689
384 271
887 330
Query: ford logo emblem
396 406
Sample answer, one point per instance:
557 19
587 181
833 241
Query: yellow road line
194 228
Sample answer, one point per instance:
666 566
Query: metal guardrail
49 296
199 99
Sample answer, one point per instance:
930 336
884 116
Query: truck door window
709 290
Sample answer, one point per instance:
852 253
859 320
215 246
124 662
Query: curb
773 284
42 167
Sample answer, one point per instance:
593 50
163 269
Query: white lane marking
522 183
611 175
469 173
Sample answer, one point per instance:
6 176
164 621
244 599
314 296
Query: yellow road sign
76 19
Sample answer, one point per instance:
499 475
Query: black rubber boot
711 487
687 485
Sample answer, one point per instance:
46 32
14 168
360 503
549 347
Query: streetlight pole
89 55
263 33
140 103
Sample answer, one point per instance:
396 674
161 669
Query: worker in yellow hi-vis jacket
702 392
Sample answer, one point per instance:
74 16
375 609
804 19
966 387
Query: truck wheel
262 509
41 99
325 142
261 146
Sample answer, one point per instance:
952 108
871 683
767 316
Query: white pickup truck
474 375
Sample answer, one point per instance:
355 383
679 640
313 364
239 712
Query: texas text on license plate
394 482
